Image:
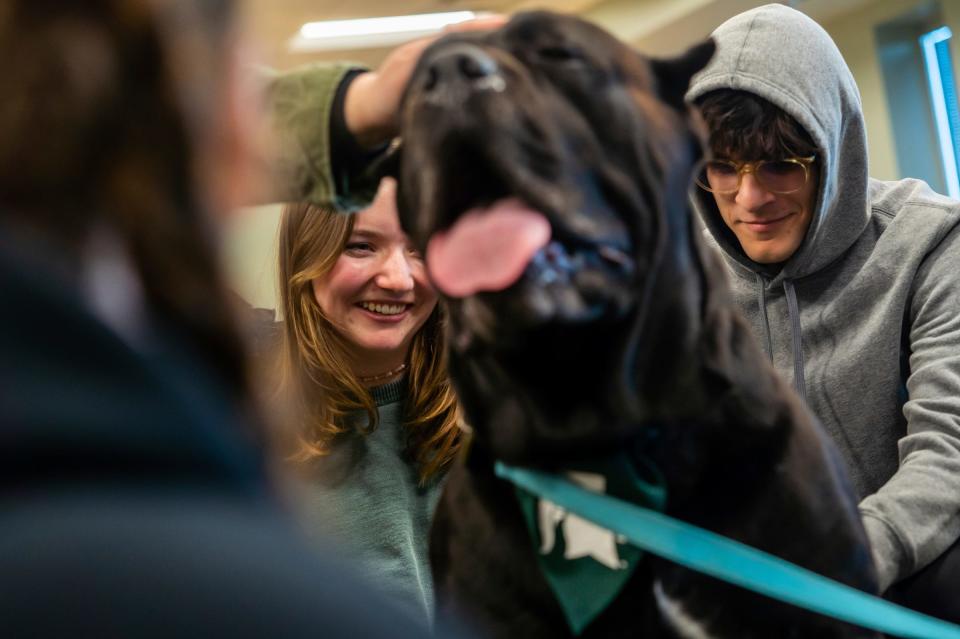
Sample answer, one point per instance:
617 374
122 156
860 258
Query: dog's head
544 175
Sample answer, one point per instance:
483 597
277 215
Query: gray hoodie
864 318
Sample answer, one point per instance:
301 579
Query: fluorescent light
372 32
386 25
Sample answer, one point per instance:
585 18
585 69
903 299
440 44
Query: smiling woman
376 294
363 370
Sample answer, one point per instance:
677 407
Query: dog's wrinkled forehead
560 49
611 88
552 38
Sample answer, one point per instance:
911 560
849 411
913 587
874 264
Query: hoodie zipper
793 310
768 342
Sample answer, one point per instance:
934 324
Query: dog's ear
673 74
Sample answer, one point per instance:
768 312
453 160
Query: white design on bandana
582 538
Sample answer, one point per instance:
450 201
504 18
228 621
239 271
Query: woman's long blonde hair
314 379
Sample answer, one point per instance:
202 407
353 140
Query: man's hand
372 103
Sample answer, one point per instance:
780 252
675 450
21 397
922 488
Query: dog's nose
460 63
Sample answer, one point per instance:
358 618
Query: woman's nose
395 273
752 194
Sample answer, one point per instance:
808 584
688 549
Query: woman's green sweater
365 494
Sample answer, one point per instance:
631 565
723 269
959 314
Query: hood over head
783 56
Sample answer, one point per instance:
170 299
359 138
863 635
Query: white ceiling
655 26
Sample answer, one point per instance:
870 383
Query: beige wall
854 34
250 254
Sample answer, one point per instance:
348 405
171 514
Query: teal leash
729 560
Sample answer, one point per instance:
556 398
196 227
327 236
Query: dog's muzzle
458 70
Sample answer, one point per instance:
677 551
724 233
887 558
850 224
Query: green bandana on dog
585 565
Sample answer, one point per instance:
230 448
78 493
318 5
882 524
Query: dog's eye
559 54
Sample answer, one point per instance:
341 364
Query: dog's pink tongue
486 249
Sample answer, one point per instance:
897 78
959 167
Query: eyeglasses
777 176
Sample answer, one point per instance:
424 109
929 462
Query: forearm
915 516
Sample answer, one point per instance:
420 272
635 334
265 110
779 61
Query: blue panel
949 93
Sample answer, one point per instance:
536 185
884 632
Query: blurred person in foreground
134 500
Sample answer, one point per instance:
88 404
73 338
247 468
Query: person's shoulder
912 219
262 328
913 197
913 210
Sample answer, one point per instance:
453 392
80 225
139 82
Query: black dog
599 328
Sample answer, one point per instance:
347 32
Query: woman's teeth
384 309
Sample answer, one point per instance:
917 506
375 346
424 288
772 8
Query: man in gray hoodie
850 283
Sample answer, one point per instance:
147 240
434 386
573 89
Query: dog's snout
461 63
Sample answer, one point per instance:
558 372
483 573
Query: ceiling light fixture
368 33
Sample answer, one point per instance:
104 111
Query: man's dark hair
744 126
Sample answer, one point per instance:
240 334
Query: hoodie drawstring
793 308
768 342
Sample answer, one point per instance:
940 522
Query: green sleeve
299 104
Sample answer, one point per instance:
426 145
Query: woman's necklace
366 379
